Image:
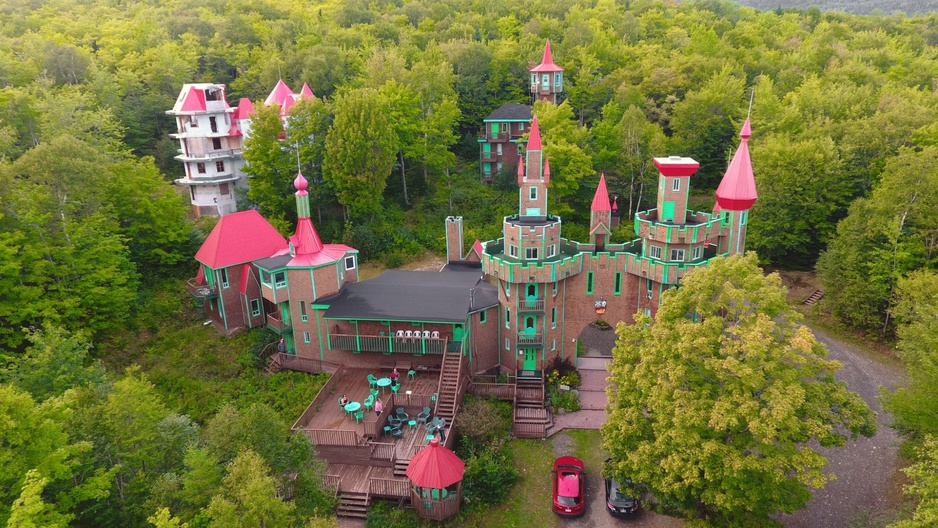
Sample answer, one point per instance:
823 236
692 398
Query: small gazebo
436 474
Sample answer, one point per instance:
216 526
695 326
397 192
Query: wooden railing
418 401
531 305
501 391
381 487
376 428
323 396
435 510
382 451
529 430
387 344
276 323
331 482
333 437
530 339
201 291
301 364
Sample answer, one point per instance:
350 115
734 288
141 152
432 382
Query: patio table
352 407
383 383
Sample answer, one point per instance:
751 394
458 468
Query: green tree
272 167
310 119
360 151
249 497
717 400
924 486
564 141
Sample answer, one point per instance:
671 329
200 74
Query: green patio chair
412 374
369 401
372 381
396 388
359 416
433 398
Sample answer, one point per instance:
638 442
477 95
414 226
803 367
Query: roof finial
752 95
296 146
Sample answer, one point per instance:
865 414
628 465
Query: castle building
209 147
501 141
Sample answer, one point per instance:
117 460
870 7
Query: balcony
489 156
526 340
278 324
202 292
209 155
531 305
387 344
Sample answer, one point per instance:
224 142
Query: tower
736 195
600 216
546 78
209 148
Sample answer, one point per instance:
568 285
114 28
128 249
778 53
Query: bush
482 424
489 476
382 514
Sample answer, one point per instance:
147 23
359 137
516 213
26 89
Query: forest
95 241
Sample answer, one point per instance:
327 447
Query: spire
534 139
615 204
547 62
305 91
601 198
305 240
520 168
244 110
546 166
279 94
737 190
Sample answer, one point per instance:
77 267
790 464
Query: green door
530 359
486 150
531 297
667 214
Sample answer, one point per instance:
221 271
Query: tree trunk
400 155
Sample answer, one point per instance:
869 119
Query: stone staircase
353 504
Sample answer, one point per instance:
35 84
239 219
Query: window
265 278
529 323
200 168
553 344
280 279
533 81
677 255
303 315
507 344
551 250
649 284
216 143
558 80
306 337
654 252
498 166
521 127
742 217
194 121
553 318
504 129
555 289
532 193
697 252
482 316
223 189
513 251
212 124
219 166
224 278
520 149
530 253
255 307
545 82
192 192
507 318
498 149
350 263
211 95
676 184
589 283
618 286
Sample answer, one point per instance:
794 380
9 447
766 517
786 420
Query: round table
351 407
384 382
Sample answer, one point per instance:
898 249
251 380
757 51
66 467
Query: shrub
489 476
382 514
482 424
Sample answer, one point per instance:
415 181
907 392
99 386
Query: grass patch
587 446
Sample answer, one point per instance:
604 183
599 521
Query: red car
569 486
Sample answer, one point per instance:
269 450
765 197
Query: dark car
569 486
617 503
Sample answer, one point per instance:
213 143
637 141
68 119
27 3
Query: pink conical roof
279 94
546 166
737 190
615 204
305 91
245 109
195 100
534 139
287 105
306 240
435 467
547 62
233 131
520 167
601 198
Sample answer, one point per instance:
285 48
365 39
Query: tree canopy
714 405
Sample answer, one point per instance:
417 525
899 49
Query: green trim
618 284
322 352
589 283
506 120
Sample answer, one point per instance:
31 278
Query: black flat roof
272 263
514 111
429 296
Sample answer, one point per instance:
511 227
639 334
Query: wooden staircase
352 504
814 297
275 364
451 383
531 416
400 467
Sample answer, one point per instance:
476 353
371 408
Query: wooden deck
361 457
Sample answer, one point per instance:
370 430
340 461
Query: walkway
592 413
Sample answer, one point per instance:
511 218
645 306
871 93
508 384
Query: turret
546 78
306 240
673 184
533 182
600 215
736 195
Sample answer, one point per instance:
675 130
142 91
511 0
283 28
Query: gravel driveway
865 468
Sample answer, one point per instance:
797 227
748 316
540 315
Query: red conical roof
534 139
195 100
435 467
305 91
601 198
245 109
546 166
547 62
737 190
279 94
